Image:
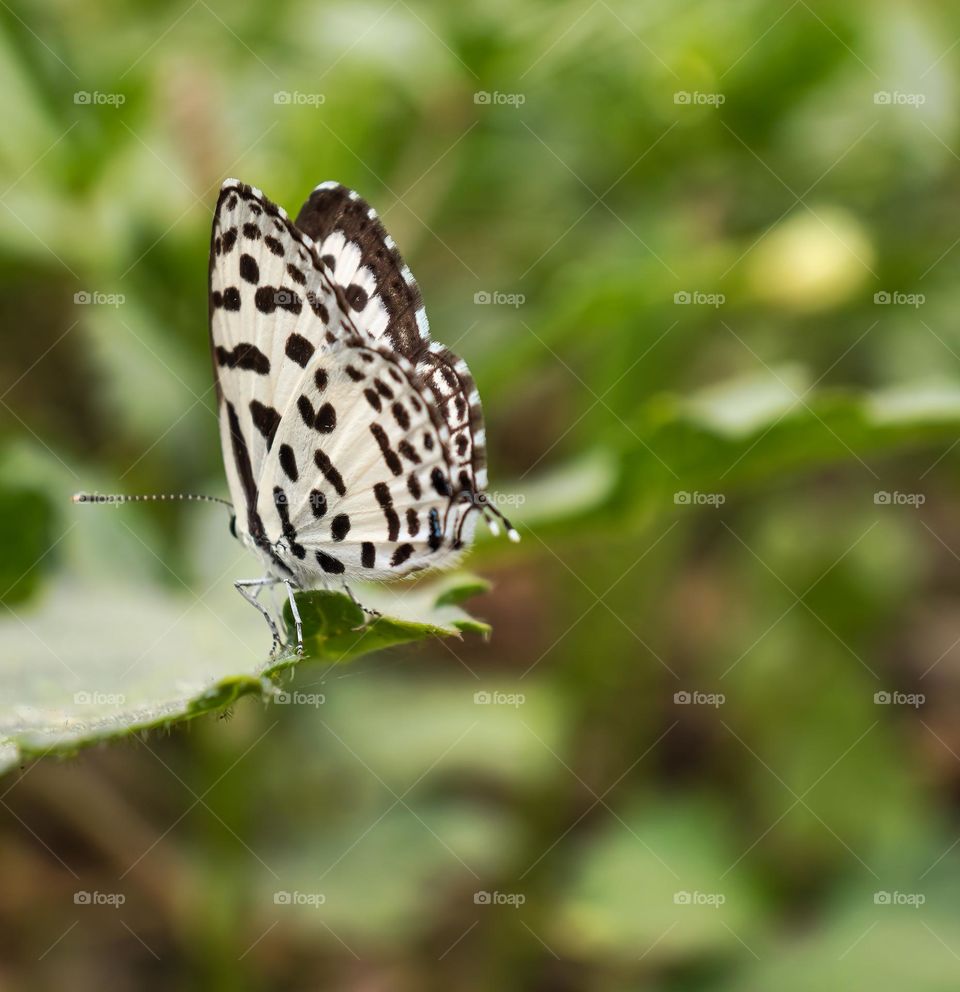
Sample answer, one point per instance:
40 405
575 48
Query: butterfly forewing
271 310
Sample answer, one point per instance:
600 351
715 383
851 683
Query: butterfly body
354 445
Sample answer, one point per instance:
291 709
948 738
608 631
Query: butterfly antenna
117 498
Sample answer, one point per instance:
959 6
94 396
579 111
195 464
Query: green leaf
655 879
105 660
26 519
739 435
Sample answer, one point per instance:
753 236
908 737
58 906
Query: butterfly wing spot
356 296
331 565
269 298
436 531
339 527
391 458
400 555
381 492
245 356
318 503
249 270
413 522
407 450
229 299
266 420
329 472
439 482
299 349
282 505
326 419
288 462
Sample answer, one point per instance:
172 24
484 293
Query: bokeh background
703 260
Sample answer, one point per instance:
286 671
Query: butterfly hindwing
360 483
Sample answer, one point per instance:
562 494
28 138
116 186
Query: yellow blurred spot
814 260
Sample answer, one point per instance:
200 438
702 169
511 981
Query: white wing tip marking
480 437
423 325
474 398
461 367
407 275
513 535
328 184
353 194
389 242
230 184
435 346
256 192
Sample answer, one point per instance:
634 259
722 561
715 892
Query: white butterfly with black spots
354 446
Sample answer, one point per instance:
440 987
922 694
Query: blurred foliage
719 368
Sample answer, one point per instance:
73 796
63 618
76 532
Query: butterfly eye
233 524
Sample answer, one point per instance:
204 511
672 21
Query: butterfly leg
356 602
243 586
296 616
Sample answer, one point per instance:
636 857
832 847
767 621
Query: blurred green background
719 362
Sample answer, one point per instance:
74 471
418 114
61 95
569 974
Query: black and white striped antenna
116 498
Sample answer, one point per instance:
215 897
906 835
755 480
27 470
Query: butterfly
354 445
